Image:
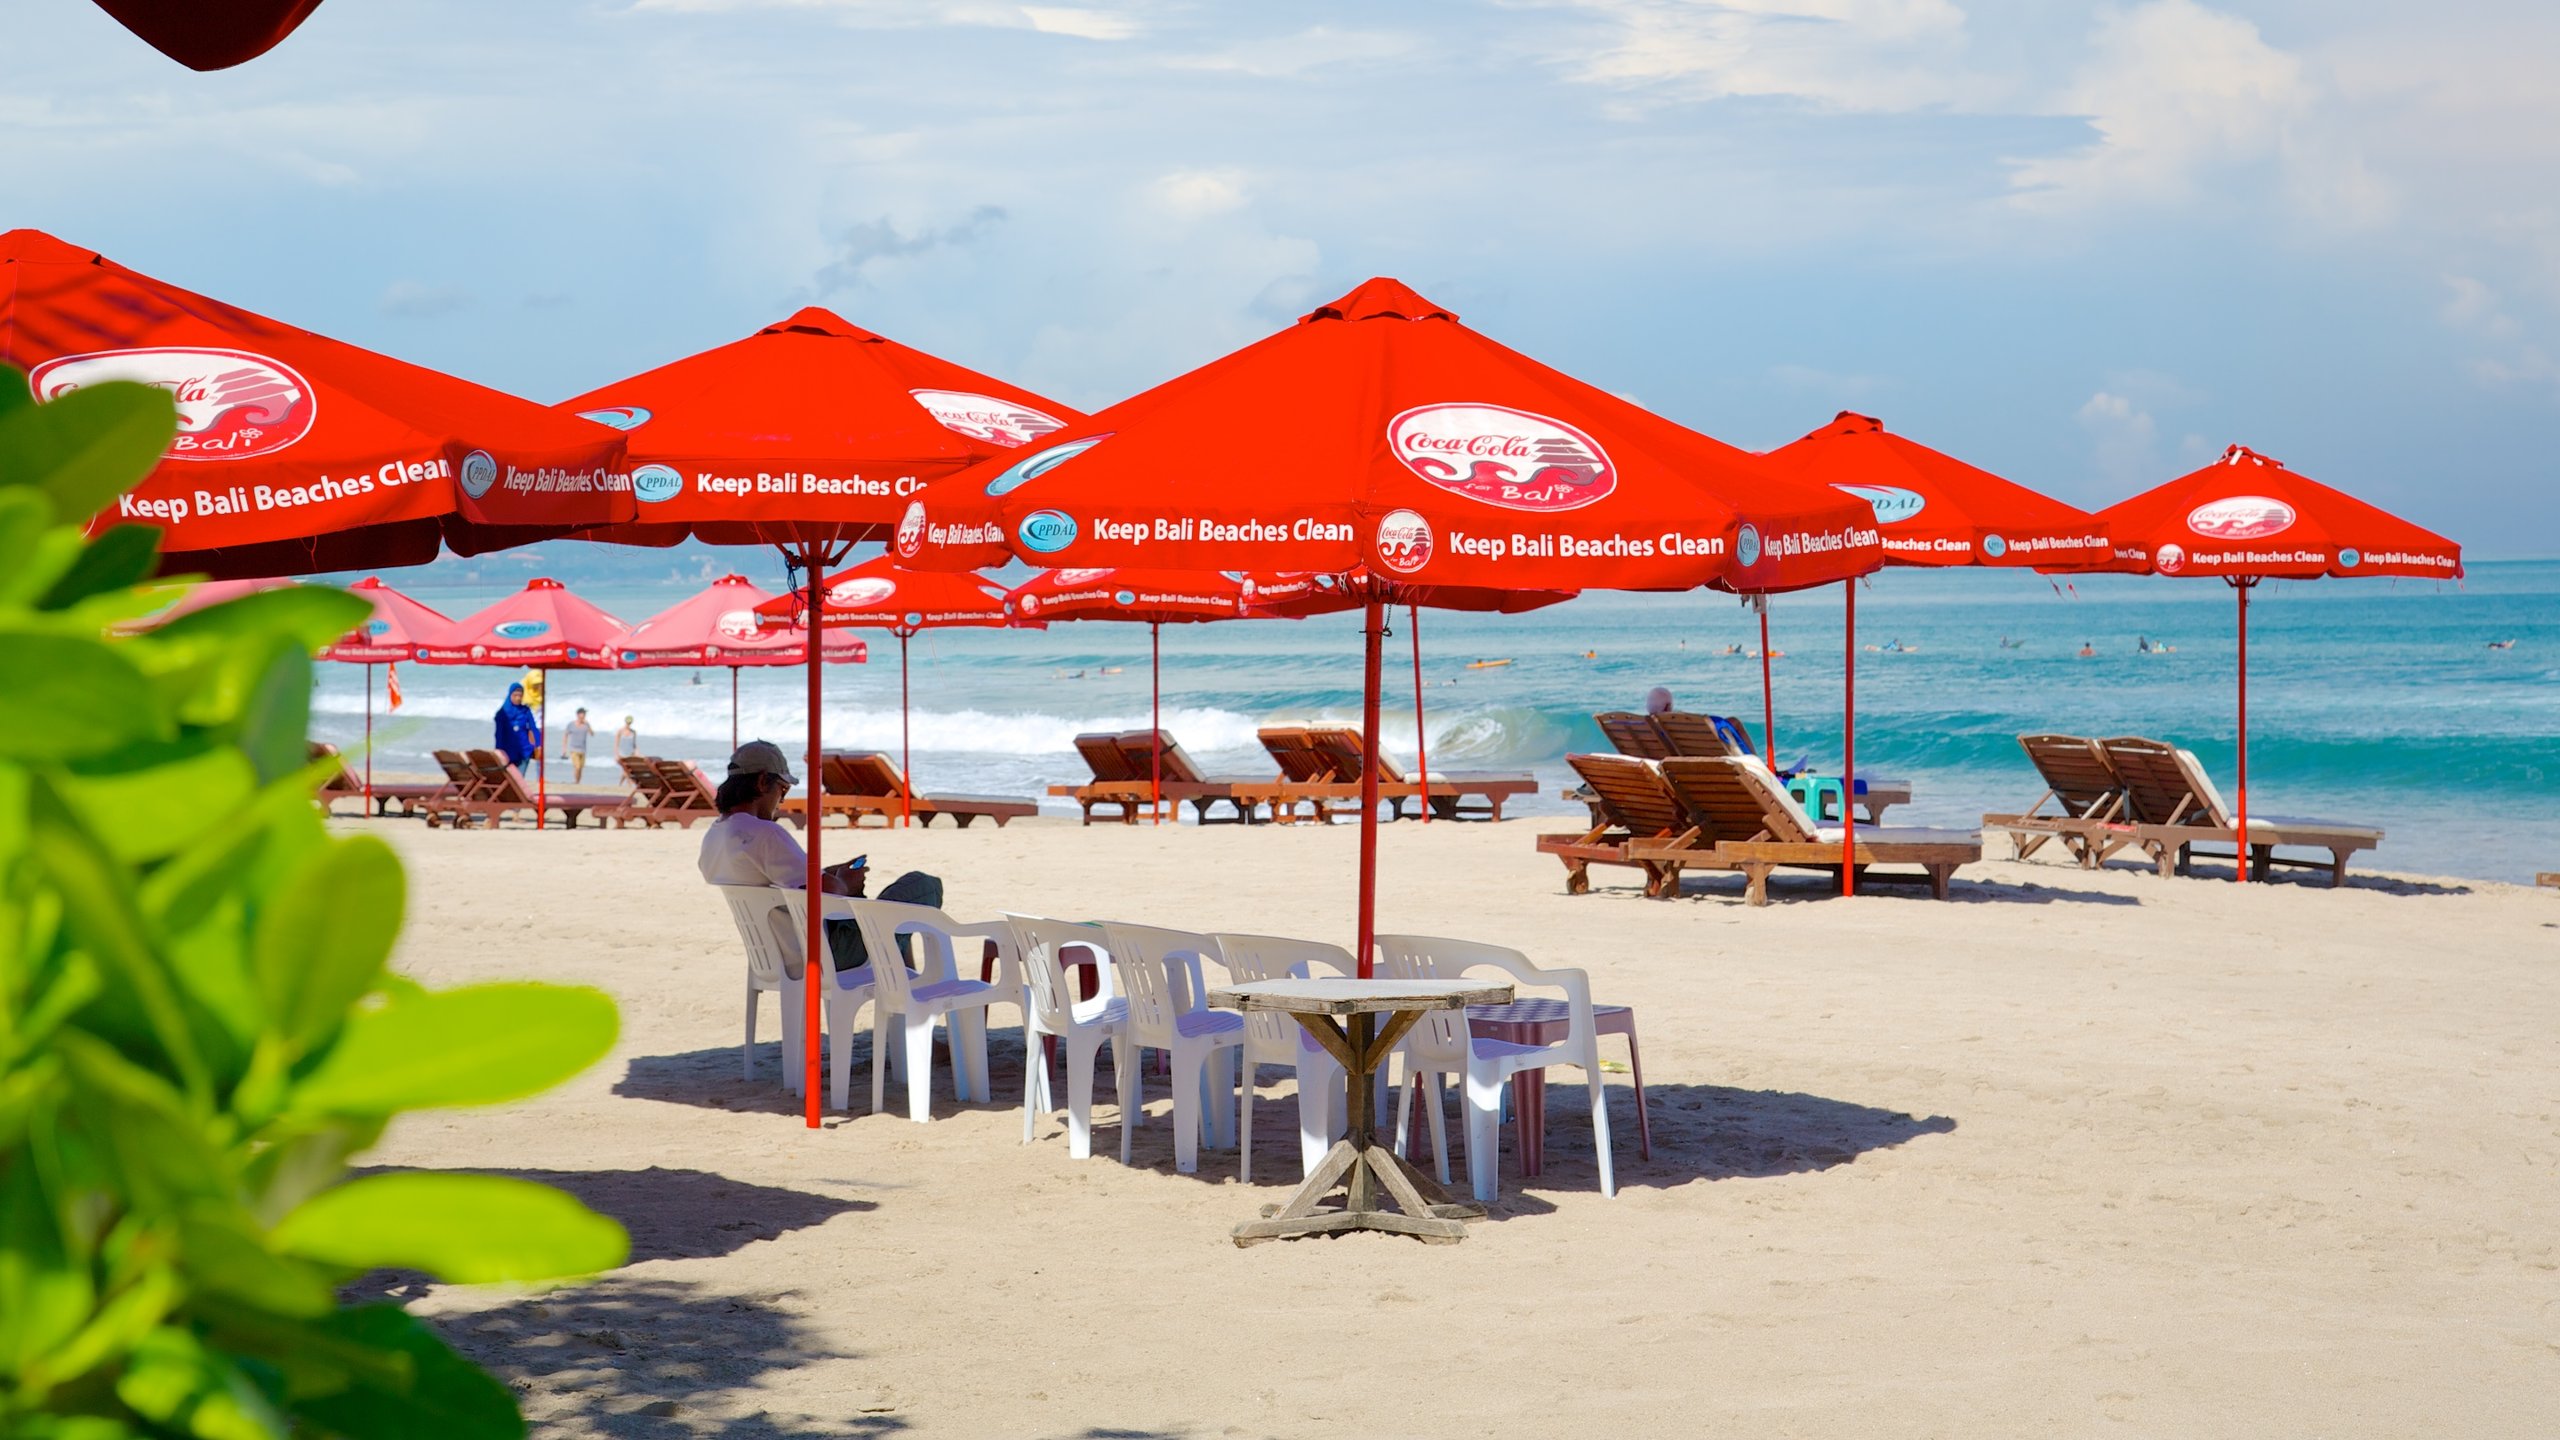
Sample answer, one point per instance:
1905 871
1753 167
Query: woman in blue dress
519 734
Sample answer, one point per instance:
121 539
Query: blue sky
2084 245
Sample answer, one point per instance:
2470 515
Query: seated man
747 846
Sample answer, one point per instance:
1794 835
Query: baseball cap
762 756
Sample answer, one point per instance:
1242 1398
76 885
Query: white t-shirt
745 849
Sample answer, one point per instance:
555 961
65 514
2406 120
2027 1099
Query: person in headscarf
519 735
1657 701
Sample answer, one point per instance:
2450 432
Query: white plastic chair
1050 1008
934 991
1441 1045
844 998
1160 974
1272 1038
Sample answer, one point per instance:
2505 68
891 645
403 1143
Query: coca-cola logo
739 625
1076 577
1501 456
2169 559
911 530
232 405
1029 604
2241 517
984 417
1892 503
1404 542
861 592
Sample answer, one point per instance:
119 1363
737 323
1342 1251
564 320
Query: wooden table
1342 1015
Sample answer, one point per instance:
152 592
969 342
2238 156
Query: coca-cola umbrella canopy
811 434
2246 518
1380 438
720 626
880 594
217 36
543 626
296 453
391 634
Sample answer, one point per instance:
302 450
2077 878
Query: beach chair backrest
2156 788
499 780
2200 780
1160 973
765 927
867 773
1295 753
458 772
1690 734
1273 957
1442 1036
1104 756
932 952
1632 794
1040 941
681 785
642 772
1727 806
2083 783
1137 747
1633 734
1342 745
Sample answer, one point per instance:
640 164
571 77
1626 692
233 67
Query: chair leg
747 1051
1035 1068
840 1057
919 1039
1439 1129
1218 1110
1321 1106
1080 1053
981 1082
1126 1061
795 1071
879 1055
1246 1071
1600 1137
1635 1066
1484 1118
1186 1110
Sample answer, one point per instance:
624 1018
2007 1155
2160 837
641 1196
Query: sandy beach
2071 1154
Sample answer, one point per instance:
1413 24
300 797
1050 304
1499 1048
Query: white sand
2069 1155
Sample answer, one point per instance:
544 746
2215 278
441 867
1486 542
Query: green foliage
197 1029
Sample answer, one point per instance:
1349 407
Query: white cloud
2126 440
1321 48
421 301
1086 22
1197 194
1879 55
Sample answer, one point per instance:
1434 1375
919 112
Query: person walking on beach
519 735
747 845
626 741
579 733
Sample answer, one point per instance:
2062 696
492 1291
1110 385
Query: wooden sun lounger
465 785
1185 783
502 790
1759 828
1113 786
663 792
1450 790
1637 811
867 782
1692 734
2175 806
1634 734
343 784
2548 877
1309 777
2089 808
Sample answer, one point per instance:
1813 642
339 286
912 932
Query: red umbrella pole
1373 632
813 966
733 709
1421 737
1849 751
542 760
2240 852
1768 706
1155 717
368 739
906 741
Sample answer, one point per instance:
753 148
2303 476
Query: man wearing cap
748 846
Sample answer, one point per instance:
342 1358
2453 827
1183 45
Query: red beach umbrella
1933 509
296 453
211 37
393 633
878 593
2246 518
1382 439
810 435
542 626
720 626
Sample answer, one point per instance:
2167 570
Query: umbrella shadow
1815 885
671 1214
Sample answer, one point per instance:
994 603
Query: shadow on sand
679 1214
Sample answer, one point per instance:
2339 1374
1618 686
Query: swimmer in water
2142 644
2502 644
2087 650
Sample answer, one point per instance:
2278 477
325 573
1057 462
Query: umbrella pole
1155 718
1848 750
906 743
813 964
1421 737
1373 633
733 709
1768 705
368 739
542 761
2240 851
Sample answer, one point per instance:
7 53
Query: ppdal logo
2350 557
1892 503
1994 546
1404 542
1512 458
479 472
2241 517
654 484
1746 545
1124 598
911 528
1022 472
1047 531
984 417
861 592
620 417
521 629
232 405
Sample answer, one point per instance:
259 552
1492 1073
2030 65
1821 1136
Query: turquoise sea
2369 700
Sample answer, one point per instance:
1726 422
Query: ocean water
2375 701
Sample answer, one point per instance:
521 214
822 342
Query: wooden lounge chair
1186 784
1114 785
1637 809
663 792
2175 806
343 784
502 790
1634 734
2087 796
464 786
1309 776
1693 734
1758 827
867 782
1451 790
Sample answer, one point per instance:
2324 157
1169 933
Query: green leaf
25 520
149 814
68 697
477 1045
325 934
225 1255
138 1004
117 560
311 615
446 1398
173 1379
468 1229
45 1291
87 447
276 715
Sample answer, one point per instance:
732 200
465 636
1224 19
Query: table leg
1529 1119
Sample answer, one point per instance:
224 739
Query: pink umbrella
399 625
878 593
720 626
542 626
